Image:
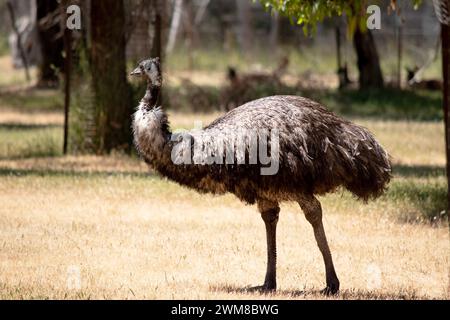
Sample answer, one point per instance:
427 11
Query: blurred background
79 207
216 55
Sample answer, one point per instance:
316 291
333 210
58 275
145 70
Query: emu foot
331 289
265 288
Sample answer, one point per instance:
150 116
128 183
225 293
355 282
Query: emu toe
263 289
331 289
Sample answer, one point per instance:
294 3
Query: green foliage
310 12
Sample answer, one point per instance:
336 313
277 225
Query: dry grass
10 116
411 142
141 237
129 234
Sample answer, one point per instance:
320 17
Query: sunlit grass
132 234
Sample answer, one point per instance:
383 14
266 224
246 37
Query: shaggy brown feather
318 152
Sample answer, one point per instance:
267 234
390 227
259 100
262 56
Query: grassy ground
133 236
106 227
129 234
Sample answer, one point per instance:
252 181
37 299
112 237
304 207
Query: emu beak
136 72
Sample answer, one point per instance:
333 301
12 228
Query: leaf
305 30
308 13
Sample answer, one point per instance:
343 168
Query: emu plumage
318 152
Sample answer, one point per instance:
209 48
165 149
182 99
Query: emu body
318 152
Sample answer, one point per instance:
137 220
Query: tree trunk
112 94
159 15
370 75
445 36
190 30
157 29
67 75
399 52
23 56
274 29
51 45
174 25
245 31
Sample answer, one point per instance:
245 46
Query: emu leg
269 213
313 213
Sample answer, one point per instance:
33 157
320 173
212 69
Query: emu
318 152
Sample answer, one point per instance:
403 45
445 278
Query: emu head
150 70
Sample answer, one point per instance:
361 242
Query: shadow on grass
71 173
314 294
22 126
425 200
248 291
419 171
33 154
428 199
32 99
384 104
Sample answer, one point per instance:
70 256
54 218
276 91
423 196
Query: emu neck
151 127
151 97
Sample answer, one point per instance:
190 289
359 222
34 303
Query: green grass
383 103
18 142
32 100
424 199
